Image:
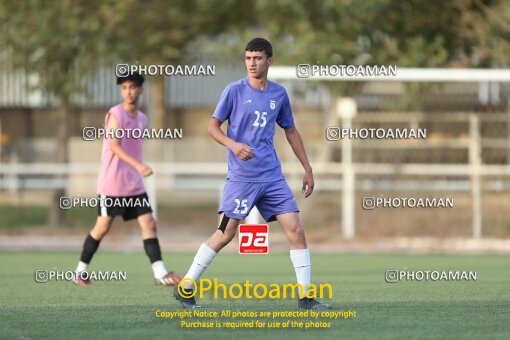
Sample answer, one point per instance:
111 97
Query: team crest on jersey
272 104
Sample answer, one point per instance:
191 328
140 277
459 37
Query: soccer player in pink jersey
121 181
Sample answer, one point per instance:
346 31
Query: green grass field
454 309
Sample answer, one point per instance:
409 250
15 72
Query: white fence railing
210 176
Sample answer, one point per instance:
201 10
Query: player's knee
300 235
295 228
297 232
150 225
297 239
101 229
220 239
226 238
229 236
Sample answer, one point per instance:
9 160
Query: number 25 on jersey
261 120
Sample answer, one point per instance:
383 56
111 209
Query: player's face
130 92
257 63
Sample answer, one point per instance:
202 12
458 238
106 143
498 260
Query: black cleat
186 302
310 303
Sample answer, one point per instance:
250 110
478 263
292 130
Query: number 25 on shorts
241 206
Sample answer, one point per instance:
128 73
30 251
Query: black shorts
129 207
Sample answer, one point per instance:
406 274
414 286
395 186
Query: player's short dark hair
260 45
135 77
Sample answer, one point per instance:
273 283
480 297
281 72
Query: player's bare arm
296 142
143 169
242 151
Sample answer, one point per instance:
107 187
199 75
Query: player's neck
258 83
130 108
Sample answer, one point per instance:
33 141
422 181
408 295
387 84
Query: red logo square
253 239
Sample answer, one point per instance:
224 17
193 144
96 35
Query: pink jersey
116 177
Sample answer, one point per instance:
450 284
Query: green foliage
64 41
59 41
161 32
14 217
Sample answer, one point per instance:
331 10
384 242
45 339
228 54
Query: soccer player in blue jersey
253 106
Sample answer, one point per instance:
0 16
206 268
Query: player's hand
242 151
144 170
308 184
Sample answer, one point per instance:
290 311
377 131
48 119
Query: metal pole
475 162
347 110
348 191
508 131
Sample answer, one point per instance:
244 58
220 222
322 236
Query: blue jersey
252 115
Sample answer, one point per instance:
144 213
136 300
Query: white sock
82 267
301 261
159 269
203 259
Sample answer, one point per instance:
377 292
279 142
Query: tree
411 33
160 32
61 42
